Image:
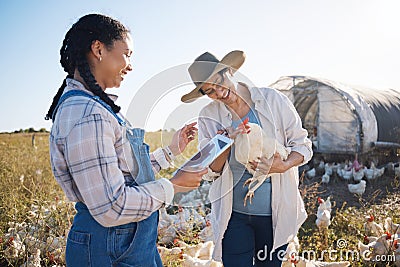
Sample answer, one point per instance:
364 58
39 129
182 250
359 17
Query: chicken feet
252 184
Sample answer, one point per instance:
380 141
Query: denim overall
132 244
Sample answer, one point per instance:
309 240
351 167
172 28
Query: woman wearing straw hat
258 232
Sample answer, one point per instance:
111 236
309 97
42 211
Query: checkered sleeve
93 163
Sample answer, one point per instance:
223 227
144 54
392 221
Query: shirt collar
73 84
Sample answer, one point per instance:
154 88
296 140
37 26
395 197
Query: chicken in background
345 174
325 204
369 239
15 248
359 188
170 254
323 214
358 175
371 227
373 172
201 251
166 228
207 233
320 168
392 227
292 252
375 249
329 167
311 173
325 178
189 261
252 145
34 260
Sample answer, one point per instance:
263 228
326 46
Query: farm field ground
32 203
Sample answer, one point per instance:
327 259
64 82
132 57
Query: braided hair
77 43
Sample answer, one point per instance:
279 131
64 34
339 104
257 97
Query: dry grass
29 194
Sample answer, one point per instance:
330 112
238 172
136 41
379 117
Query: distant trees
31 130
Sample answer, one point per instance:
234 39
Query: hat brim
233 60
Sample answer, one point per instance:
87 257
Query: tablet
202 159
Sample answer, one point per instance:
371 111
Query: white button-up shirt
279 119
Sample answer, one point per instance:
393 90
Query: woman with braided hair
100 161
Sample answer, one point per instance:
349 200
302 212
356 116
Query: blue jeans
90 244
249 237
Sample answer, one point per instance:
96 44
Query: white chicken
320 168
184 221
325 178
15 248
189 261
323 214
207 233
34 260
370 239
251 146
166 229
372 227
377 248
329 167
391 227
311 173
292 251
201 251
346 174
357 174
373 172
325 204
169 254
359 188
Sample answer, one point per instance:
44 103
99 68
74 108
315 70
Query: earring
100 58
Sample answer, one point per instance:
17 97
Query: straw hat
206 65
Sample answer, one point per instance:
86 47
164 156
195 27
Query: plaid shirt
91 158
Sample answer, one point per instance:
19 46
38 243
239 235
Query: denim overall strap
141 152
72 93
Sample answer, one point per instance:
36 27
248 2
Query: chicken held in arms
252 145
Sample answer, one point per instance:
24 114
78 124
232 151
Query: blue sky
355 42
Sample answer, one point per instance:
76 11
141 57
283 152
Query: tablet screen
207 154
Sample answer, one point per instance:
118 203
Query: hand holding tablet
202 159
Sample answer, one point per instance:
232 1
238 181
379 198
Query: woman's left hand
182 138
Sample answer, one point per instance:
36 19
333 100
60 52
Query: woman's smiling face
115 63
220 87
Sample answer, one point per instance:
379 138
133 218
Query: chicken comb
243 124
293 259
395 244
246 121
371 218
388 235
320 200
